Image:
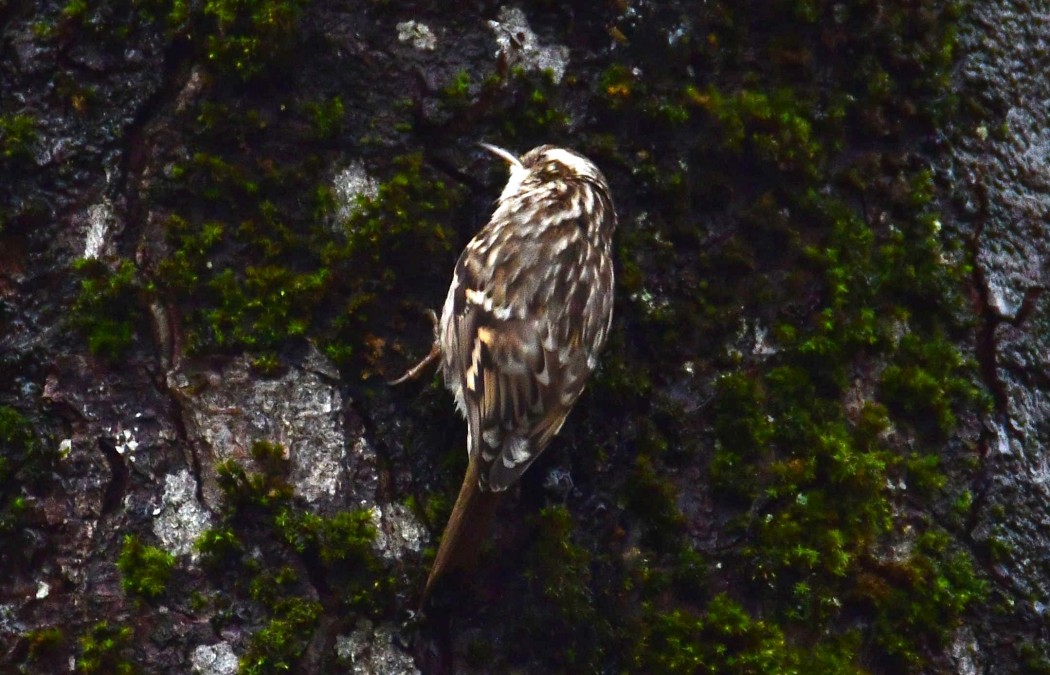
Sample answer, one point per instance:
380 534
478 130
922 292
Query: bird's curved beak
506 156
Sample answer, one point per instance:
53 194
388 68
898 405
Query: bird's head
546 164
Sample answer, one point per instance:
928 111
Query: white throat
517 175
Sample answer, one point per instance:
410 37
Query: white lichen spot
43 589
678 33
349 186
998 295
181 518
65 447
898 328
418 34
519 46
763 347
191 91
99 221
1002 444
650 302
370 649
216 659
299 411
397 530
126 441
558 480
966 653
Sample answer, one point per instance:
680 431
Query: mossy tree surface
806 261
790 309
26 466
763 457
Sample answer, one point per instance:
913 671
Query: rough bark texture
818 441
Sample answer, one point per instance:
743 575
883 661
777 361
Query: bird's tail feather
466 530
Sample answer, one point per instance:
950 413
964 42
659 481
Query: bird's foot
435 353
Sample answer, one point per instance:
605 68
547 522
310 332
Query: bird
526 316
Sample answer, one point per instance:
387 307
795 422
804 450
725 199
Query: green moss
261 307
344 545
616 84
820 482
75 10
26 464
109 306
337 552
326 117
655 502
263 490
518 107
17 136
1035 657
277 646
837 261
219 547
457 92
246 196
773 128
146 569
306 279
725 638
742 431
266 363
566 621
997 548
16 440
923 604
383 241
539 113
245 38
927 384
621 89
560 572
44 643
305 276
104 650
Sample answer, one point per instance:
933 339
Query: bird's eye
551 171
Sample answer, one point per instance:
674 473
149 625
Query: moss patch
109 307
26 464
145 569
106 648
17 134
299 554
797 269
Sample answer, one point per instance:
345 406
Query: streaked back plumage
529 310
